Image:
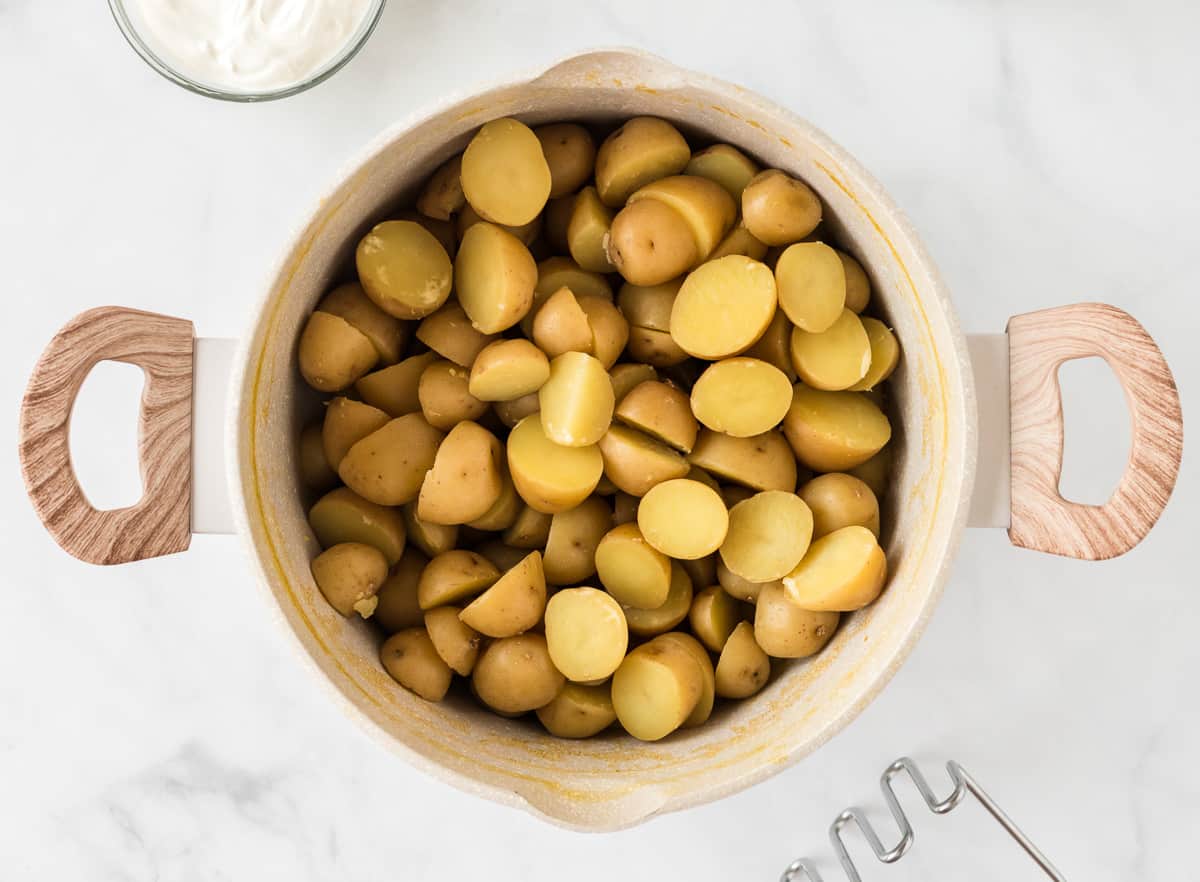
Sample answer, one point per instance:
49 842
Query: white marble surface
153 726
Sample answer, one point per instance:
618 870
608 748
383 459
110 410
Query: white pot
615 781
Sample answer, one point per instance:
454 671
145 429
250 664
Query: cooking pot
1011 435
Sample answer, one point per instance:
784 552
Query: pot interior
613 780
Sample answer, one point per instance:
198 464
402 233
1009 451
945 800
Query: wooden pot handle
160 521
1039 342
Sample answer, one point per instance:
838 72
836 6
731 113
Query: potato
412 661
586 231
762 462
397 606
705 207
703 709
332 353
576 403
526 233
843 571
550 477
315 472
631 570
743 668
404 269
723 307
556 217
442 197
530 529
735 586
875 472
885 353
774 346
444 392
442 230
741 397
515 675
464 481
642 150
839 500
811 282
562 272
627 376
494 277
683 519
610 330
505 510
386 333
393 389
732 494
858 286
636 462
570 153
508 369
453 576
455 643
561 325
571 546
346 423
702 570
432 539
649 622
785 630
387 466
501 555
349 574
768 535
513 604
586 633
741 241
649 306
512 412
649 243
624 508
450 334
713 616
655 348
725 165
656 688
663 412
778 209
342 515
505 175
578 711
834 431
834 359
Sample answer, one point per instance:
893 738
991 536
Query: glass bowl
356 41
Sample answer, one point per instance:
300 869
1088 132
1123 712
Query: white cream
247 45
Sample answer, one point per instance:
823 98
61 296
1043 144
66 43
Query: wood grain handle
159 523
1039 342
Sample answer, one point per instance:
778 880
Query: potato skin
570 154
349 574
642 150
785 630
411 659
515 675
650 243
333 353
778 209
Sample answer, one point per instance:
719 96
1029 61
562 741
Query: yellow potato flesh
550 477
450 334
586 230
704 705
494 277
349 574
635 462
631 570
332 353
843 571
570 554
586 633
610 330
346 423
778 209
404 269
505 176
834 359
885 353
725 165
342 515
761 462
513 604
506 370
576 402
858 286
644 149
561 325
394 388
454 576
397 606
444 392
412 661
570 154
768 535
515 675
713 616
578 711
663 412
743 668
388 466
706 208
839 500
683 519
723 307
455 643
834 431
812 285
655 689
649 622
464 481
741 397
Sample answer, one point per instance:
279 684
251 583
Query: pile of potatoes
605 431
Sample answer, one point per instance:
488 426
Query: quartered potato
661 411
703 709
839 500
576 402
404 269
743 668
315 472
413 662
465 478
768 535
508 369
570 554
726 165
586 633
393 389
649 622
342 515
635 462
530 529
843 571
450 334
561 325
834 359
346 423
631 569
388 465
761 462
505 175
431 539
812 285
333 353
515 675
610 330
570 153
386 333
587 230
778 209
397 606
858 286
713 616
656 688
642 150
885 353
455 643
444 393
578 711
349 574
785 630
683 519
454 576
494 277
834 431
723 307
443 197
513 604
656 348
550 477
505 510
741 397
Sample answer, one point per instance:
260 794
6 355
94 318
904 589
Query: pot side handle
159 523
1041 519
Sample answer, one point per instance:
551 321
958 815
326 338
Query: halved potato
576 402
454 576
762 462
342 515
743 668
649 306
397 606
736 586
703 709
442 196
550 477
450 334
636 462
561 325
626 377
586 231
858 286
349 574
505 510
741 397
834 359
570 554
778 209
404 269
834 431
464 481
515 675
656 348
839 500
642 150
812 285
388 465
393 389
412 661
843 571
494 277
570 154
386 333
656 688
586 633
508 369
631 569
514 603
578 711
726 165
456 643
713 616
432 539
785 630
530 529
683 519
610 330
885 354
768 535
705 207
444 392
346 423
723 307
875 472
512 412
663 412
505 175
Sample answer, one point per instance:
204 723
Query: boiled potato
526 233
397 606
442 230
315 472
450 334
342 515
571 545
512 412
649 306
530 529
413 662
513 604
349 574
562 272
839 500
465 479
702 570
444 392
705 207
743 668
576 402
762 462
385 332
843 571
649 243
570 153
508 369
656 348
515 675
726 165
636 462
394 388
834 431
586 231
703 709
442 196
388 465
876 471
561 325
456 643
586 633
774 346
404 269
554 227
858 286
578 711
834 359
656 688
642 150
453 576
663 412
785 630
741 241
683 519
713 616
505 175
505 510
631 569
778 209
432 539
503 556
811 282
768 535
723 307
732 494
624 508
885 353
610 330
741 397
735 586
494 277
705 478
550 477
346 423
649 622
333 353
